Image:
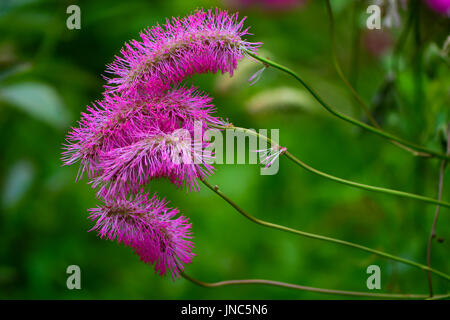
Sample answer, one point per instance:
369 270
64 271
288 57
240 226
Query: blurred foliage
48 74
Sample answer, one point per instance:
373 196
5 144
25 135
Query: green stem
434 224
436 213
439 297
323 238
305 288
355 54
355 94
338 68
401 43
419 103
367 187
342 116
340 180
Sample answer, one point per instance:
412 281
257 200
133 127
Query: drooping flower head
118 122
155 154
204 41
155 232
102 127
146 128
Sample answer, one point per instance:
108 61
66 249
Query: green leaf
17 183
38 100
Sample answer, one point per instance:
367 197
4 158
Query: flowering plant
141 130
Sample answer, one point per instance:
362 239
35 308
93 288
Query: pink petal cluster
150 228
205 41
145 129
155 154
119 122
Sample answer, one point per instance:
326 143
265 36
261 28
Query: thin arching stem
365 186
320 237
436 214
401 42
433 227
340 180
305 288
355 94
342 116
439 297
355 52
338 68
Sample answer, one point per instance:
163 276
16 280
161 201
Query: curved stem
436 214
320 237
433 228
342 116
355 42
304 288
365 186
338 68
340 180
401 42
355 94
439 297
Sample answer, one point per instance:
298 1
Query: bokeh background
48 74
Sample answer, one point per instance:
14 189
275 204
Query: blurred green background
48 74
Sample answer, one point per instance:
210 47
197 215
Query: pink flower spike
202 42
150 228
117 122
154 155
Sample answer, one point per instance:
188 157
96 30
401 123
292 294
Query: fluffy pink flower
116 121
145 128
104 126
205 41
150 228
155 154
